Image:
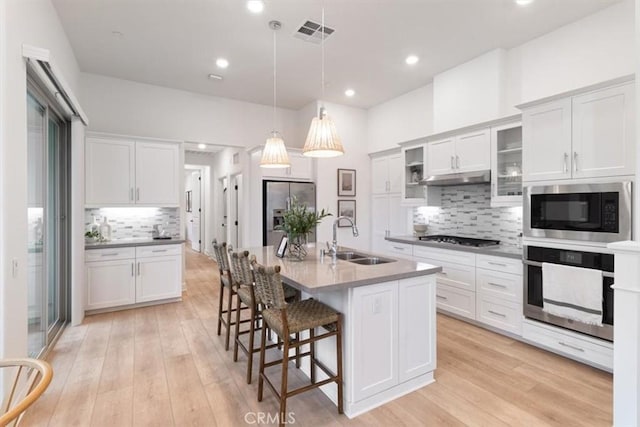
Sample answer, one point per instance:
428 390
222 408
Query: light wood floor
165 365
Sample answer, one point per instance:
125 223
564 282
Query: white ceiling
175 43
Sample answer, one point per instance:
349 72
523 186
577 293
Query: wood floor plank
166 366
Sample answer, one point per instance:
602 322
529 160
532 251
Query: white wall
130 108
472 92
33 22
351 124
596 48
405 118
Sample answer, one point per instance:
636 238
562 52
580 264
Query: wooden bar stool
31 377
226 282
286 319
242 275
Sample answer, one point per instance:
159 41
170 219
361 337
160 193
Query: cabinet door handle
566 158
497 284
457 162
138 194
573 347
138 269
497 314
131 194
499 264
132 270
441 297
160 250
575 161
398 248
453 166
110 254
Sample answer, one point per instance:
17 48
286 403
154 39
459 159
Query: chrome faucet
333 249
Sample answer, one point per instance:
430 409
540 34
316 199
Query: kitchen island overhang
389 312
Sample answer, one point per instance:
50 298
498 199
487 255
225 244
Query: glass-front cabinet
506 165
413 173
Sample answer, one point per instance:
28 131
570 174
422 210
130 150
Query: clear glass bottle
105 230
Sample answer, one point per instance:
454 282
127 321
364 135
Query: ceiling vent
312 32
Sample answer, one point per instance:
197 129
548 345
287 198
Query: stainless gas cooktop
464 241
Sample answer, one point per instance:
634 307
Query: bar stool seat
302 315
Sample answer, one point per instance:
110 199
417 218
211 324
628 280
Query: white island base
389 344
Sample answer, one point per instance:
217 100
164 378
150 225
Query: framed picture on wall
346 208
188 203
346 182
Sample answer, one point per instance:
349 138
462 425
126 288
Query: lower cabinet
393 334
125 276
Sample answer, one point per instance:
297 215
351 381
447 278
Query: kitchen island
389 310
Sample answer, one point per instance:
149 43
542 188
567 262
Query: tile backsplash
466 211
131 223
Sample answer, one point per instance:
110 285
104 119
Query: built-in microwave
586 212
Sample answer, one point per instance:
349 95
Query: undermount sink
371 261
348 255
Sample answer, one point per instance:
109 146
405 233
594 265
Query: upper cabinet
460 153
387 174
506 165
121 172
301 168
587 135
413 170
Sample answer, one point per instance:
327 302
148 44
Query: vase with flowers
298 222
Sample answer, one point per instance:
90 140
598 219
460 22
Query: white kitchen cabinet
109 172
301 168
157 174
588 135
389 218
416 355
386 174
500 314
375 338
126 276
506 165
456 301
603 130
466 152
122 172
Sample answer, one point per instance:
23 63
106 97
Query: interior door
196 210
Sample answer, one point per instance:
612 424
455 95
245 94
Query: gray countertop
318 274
124 243
499 250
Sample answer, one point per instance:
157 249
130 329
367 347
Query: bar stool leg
297 350
339 363
229 310
262 351
312 356
236 334
283 385
221 297
252 331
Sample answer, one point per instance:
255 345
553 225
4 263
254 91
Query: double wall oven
570 224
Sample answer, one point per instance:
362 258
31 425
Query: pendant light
322 139
274 154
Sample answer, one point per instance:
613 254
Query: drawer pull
111 254
499 264
441 297
138 269
497 285
573 347
398 248
132 270
497 314
159 250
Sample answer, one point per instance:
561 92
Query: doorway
48 153
195 208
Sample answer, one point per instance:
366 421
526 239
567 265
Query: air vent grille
312 32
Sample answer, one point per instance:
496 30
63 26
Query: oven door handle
539 264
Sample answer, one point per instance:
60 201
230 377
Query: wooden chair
242 275
226 282
287 319
31 379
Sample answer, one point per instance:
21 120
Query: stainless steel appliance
534 256
276 199
461 178
587 212
463 241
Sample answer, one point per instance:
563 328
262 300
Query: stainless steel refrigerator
276 199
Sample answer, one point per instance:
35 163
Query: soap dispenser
105 230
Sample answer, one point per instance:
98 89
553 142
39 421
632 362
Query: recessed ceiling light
412 59
202 146
214 77
222 63
523 2
117 34
255 6
349 92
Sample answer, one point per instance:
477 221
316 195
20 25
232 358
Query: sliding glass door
47 194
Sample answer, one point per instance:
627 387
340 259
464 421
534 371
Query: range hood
463 178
